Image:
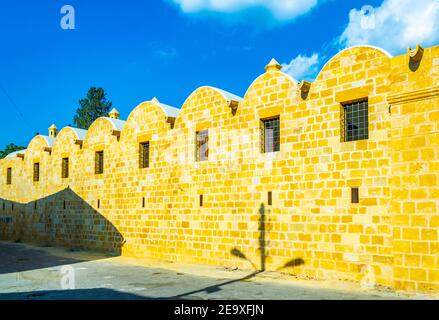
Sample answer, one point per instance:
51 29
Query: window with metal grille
355 121
65 168
202 147
99 162
144 155
36 171
9 176
270 135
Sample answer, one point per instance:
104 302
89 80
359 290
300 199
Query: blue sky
139 49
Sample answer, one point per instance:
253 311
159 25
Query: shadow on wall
263 247
61 219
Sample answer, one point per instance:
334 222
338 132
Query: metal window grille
9 176
270 135
99 162
65 168
356 121
202 145
144 155
36 171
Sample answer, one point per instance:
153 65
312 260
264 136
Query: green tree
93 106
9 149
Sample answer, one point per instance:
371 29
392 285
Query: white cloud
394 26
279 9
302 67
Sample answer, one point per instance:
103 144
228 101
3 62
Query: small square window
355 196
355 121
270 135
202 147
144 155
99 162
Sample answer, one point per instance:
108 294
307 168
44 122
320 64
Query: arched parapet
273 94
37 168
204 103
354 67
68 144
102 136
13 165
15 155
149 117
67 138
269 94
103 130
351 57
39 147
149 123
206 108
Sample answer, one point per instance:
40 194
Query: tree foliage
9 149
93 106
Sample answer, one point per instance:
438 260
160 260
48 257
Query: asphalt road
30 272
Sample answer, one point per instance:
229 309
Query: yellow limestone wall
390 238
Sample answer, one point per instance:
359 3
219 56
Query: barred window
36 171
65 168
144 155
355 121
270 135
202 148
99 162
9 176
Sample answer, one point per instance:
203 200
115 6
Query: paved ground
30 272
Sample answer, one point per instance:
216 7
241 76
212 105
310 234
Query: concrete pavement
31 272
